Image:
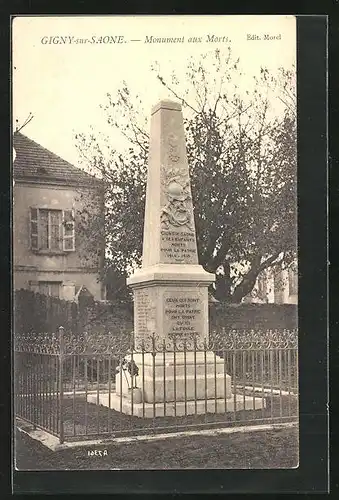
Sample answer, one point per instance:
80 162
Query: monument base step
179 409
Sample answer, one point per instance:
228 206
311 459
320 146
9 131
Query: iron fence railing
75 386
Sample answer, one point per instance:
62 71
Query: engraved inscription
144 314
178 247
183 315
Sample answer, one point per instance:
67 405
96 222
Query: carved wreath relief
176 213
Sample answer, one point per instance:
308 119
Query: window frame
35 230
292 282
49 227
49 284
262 285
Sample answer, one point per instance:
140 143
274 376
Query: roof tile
33 161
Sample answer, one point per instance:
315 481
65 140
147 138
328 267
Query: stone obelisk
171 288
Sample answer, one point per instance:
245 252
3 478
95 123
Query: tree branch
269 262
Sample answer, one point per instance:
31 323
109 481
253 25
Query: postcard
155 262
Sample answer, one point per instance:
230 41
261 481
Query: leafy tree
241 147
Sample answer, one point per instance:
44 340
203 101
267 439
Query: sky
63 84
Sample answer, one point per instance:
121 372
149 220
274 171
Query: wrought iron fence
77 387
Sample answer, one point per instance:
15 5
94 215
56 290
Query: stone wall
38 313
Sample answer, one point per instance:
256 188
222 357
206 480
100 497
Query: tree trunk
244 288
247 283
223 283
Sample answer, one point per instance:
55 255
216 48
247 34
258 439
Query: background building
275 286
50 254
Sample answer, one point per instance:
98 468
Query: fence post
61 382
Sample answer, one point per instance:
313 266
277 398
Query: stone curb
53 443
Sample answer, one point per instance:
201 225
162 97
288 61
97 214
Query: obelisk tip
167 104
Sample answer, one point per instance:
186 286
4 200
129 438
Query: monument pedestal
179 408
176 384
177 377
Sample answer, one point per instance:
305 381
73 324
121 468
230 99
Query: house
50 254
275 286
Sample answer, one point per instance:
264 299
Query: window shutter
34 228
68 230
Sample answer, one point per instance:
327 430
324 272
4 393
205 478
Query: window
52 230
262 285
292 281
50 288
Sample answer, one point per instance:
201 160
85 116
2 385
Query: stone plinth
174 308
177 377
179 409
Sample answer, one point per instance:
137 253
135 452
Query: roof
36 163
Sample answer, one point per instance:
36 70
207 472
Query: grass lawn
258 450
